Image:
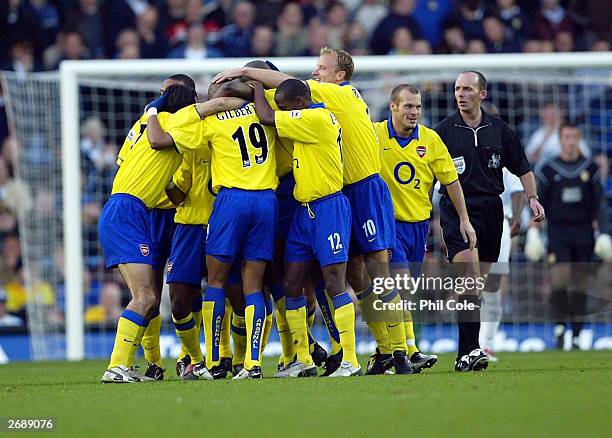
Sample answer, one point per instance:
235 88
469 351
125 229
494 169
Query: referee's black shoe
332 363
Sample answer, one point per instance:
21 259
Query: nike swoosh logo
341 332
131 341
386 149
372 240
336 252
395 325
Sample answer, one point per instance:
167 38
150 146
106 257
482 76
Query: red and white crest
144 249
421 151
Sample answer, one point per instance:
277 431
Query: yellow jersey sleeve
132 137
182 177
299 125
188 131
145 172
442 165
270 98
328 93
359 139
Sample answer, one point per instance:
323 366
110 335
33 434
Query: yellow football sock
410 338
255 318
284 333
310 319
394 320
377 328
197 318
344 315
213 310
225 350
188 334
130 329
150 341
239 338
267 324
331 327
296 320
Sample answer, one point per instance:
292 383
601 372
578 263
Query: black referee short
487 217
570 243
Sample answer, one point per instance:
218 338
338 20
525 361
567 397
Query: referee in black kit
481 146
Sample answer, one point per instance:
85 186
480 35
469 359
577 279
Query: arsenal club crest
144 249
421 151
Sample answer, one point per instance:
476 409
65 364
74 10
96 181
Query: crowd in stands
36 35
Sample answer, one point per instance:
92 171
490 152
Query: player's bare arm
269 78
262 108
176 195
529 184
467 231
160 140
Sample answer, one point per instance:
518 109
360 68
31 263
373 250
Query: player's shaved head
233 88
177 97
292 94
258 63
397 91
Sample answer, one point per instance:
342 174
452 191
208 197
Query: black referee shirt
481 153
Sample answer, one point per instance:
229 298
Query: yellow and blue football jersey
144 172
243 150
359 144
193 177
317 150
409 167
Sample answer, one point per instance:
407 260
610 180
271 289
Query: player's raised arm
262 107
269 78
218 105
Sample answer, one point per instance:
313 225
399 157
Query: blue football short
242 222
162 233
410 245
320 231
187 261
373 222
124 230
287 205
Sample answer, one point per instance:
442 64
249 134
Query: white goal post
71 72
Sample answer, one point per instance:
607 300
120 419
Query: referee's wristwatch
536 197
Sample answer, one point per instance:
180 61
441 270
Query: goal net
69 126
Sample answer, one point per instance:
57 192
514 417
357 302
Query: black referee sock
469 324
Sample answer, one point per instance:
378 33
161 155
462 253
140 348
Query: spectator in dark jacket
235 39
551 19
400 16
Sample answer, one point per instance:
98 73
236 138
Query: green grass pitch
537 394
